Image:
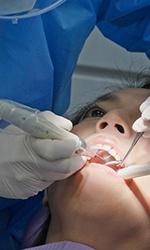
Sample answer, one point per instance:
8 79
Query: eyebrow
108 97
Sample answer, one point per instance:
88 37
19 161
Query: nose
115 122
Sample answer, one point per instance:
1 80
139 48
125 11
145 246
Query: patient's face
96 191
107 125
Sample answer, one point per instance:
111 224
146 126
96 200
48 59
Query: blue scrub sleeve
127 23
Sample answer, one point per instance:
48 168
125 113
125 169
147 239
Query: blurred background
102 63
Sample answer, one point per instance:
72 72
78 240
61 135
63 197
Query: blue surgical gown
37 59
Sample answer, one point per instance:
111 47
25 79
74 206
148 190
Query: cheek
83 130
145 150
142 186
91 186
140 153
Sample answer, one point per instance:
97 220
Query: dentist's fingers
142 124
146 114
57 120
145 104
53 149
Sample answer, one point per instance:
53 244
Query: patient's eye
94 112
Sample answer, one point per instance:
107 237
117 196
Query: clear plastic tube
36 8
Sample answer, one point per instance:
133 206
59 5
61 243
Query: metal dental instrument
137 137
31 121
134 171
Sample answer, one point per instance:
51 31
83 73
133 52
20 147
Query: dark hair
140 80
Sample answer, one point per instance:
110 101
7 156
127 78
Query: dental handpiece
31 121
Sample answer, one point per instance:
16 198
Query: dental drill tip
85 149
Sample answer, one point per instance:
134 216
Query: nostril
103 125
120 128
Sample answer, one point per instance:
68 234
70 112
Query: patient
94 206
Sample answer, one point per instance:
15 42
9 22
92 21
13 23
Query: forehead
130 96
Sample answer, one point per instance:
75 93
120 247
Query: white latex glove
29 165
143 123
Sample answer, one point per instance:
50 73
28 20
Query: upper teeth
107 148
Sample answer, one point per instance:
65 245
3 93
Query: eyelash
93 108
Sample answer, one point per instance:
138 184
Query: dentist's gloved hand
143 123
29 165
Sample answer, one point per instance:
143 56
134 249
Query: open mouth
104 154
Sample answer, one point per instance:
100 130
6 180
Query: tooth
112 152
96 146
117 157
106 147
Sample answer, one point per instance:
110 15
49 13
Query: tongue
102 157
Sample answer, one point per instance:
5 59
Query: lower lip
105 169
